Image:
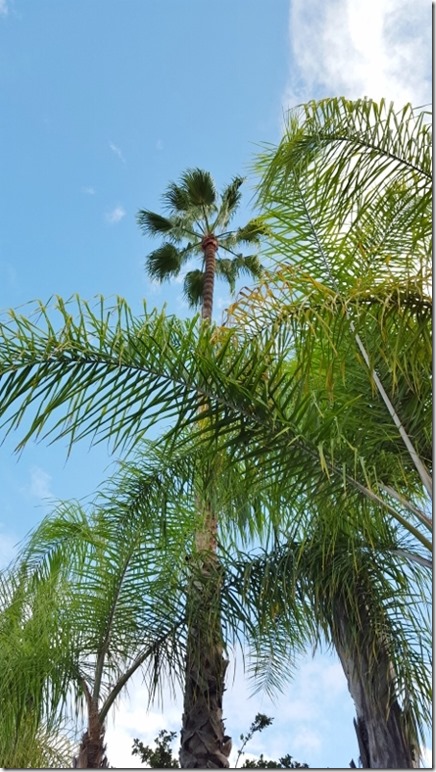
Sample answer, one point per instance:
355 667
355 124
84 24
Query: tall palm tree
198 225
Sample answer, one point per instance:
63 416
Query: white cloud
88 190
379 48
115 215
427 758
4 10
118 152
40 483
131 719
159 145
305 716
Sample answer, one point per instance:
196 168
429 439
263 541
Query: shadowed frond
164 262
193 287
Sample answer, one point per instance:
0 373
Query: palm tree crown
198 224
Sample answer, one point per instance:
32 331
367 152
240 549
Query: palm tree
99 600
359 600
32 644
197 224
348 200
110 375
96 596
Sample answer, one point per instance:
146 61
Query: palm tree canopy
196 211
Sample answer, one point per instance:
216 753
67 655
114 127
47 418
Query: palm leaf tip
164 262
231 194
152 223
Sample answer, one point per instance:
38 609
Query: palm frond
177 199
200 188
154 224
193 287
252 232
230 199
165 262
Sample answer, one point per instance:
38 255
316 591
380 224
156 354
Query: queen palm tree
357 599
98 599
347 195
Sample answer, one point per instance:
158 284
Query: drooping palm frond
348 199
108 375
193 287
346 154
33 731
299 585
164 262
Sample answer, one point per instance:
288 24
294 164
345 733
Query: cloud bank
376 48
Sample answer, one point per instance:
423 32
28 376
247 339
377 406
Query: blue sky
103 103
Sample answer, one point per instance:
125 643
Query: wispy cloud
40 483
88 190
159 145
118 152
115 215
379 48
4 10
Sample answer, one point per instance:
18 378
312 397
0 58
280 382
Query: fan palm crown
197 224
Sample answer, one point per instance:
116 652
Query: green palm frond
193 287
164 262
230 199
200 189
108 375
298 586
252 232
335 168
154 224
177 199
227 269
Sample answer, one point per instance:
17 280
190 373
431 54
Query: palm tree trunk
385 739
210 247
92 751
204 744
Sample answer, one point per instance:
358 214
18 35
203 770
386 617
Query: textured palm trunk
204 743
386 740
210 247
92 751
